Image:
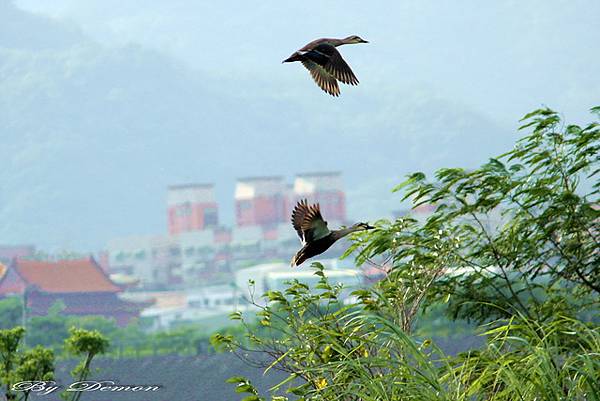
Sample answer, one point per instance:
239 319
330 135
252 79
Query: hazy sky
498 57
202 96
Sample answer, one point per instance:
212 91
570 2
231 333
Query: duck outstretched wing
308 222
324 79
332 61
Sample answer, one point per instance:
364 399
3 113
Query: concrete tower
324 188
260 201
191 207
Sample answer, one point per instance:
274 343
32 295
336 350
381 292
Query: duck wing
324 79
332 61
308 222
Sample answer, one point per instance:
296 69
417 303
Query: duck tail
294 57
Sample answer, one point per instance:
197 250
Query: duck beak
369 227
364 41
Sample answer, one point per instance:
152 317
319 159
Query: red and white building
325 188
260 201
191 207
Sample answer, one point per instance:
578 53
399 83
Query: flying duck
316 238
325 63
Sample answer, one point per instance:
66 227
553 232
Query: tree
9 344
37 363
512 246
11 312
87 344
16 366
33 365
49 330
520 234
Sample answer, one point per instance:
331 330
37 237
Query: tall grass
521 360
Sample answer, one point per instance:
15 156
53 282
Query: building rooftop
191 186
261 178
65 276
309 183
319 174
249 188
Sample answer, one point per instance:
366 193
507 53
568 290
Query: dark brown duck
316 238
325 63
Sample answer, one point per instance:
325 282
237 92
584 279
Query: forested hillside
85 126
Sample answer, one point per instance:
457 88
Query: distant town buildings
211 304
197 249
268 201
275 276
199 269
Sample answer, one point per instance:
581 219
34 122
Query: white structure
276 280
257 274
254 187
310 183
273 276
197 252
148 258
193 305
225 298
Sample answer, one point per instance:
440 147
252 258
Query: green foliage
10 339
106 326
512 236
87 344
47 331
11 312
52 330
512 246
16 366
528 360
37 363
244 385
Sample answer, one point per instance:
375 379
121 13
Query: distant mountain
27 31
91 135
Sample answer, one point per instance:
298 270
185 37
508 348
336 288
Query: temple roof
65 276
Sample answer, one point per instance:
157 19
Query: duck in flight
316 238
325 63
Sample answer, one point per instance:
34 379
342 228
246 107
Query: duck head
362 227
354 39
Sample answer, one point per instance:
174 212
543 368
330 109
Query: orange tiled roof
81 275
